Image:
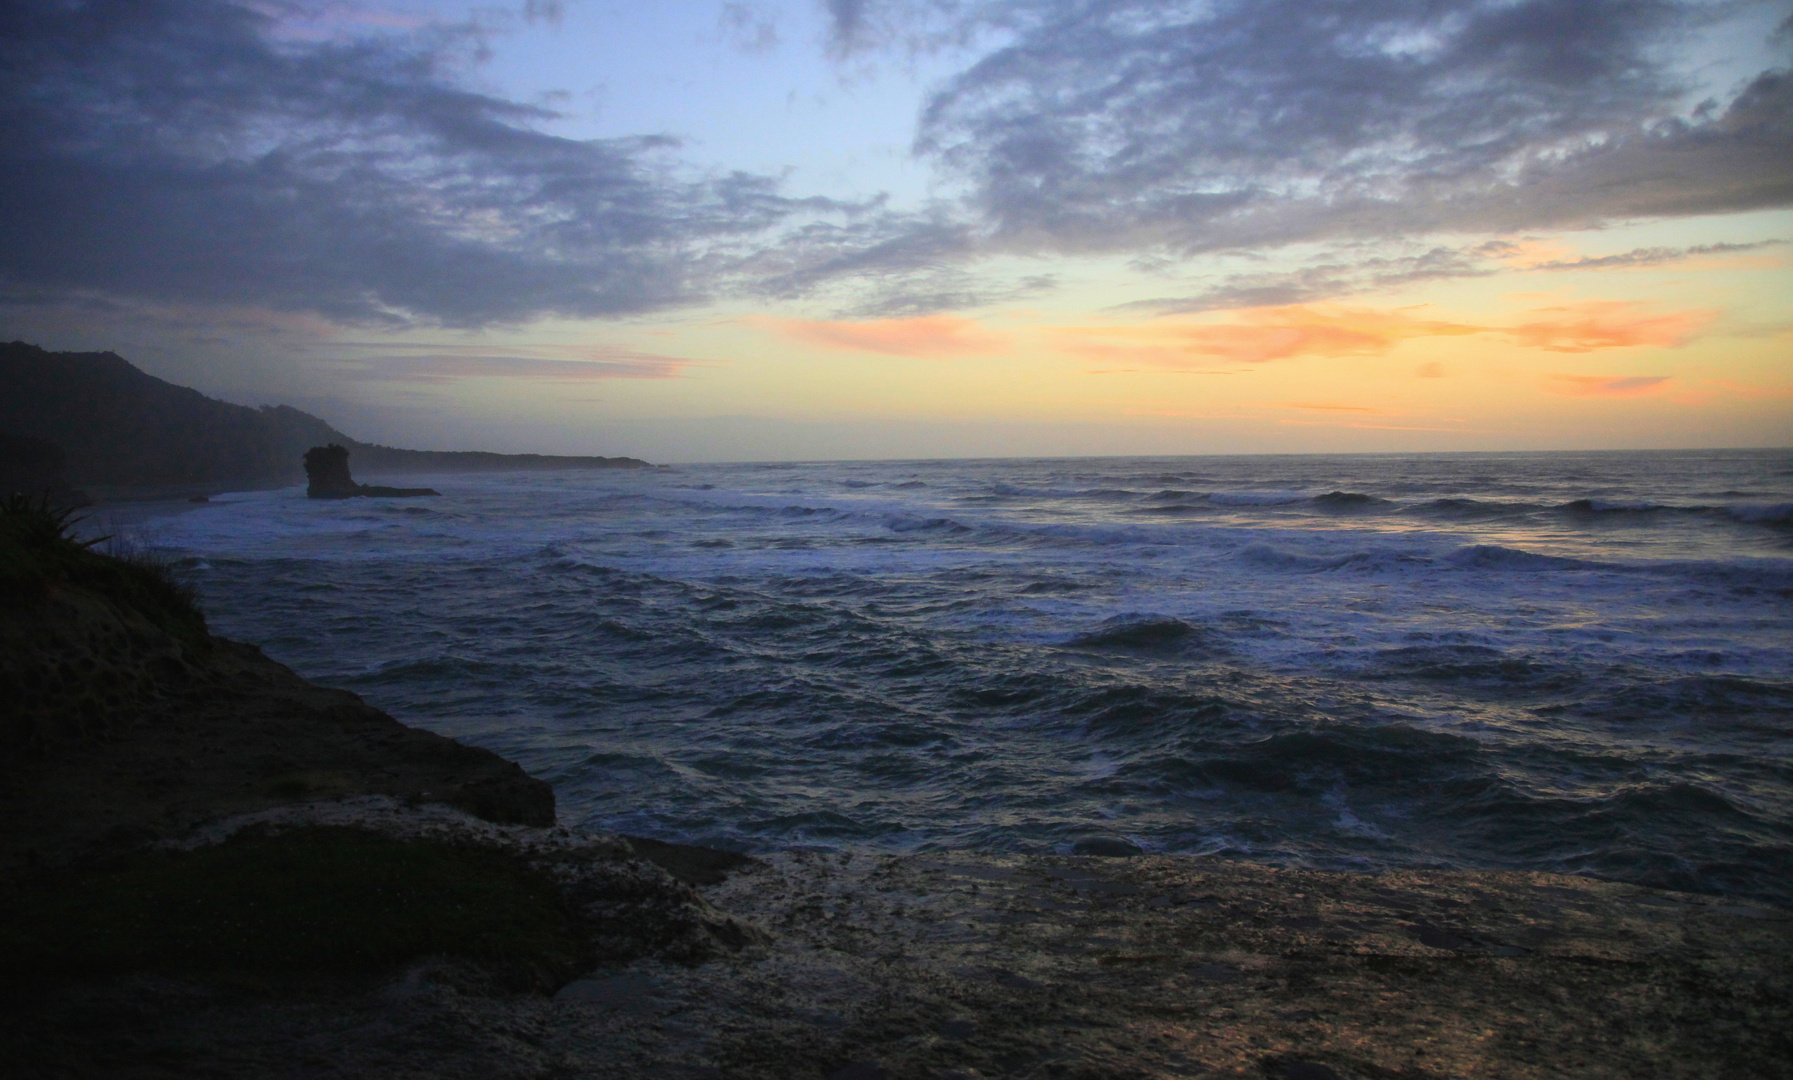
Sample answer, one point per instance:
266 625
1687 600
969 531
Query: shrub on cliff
39 552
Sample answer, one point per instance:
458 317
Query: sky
850 229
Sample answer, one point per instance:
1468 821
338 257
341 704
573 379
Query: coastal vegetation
41 551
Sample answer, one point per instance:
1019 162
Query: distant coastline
92 422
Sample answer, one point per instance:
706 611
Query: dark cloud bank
1243 123
185 152
179 150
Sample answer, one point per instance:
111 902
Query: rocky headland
211 867
327 477
116 431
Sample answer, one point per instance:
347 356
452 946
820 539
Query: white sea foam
937 652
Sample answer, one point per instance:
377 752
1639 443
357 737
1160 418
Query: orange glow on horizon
1608 324
1605 386
932 335
1260 335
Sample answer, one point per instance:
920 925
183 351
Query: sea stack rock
327 467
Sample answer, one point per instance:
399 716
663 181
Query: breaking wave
1549 661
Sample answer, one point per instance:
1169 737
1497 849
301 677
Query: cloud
749 28
191 151
1322 281
1373 427
1605 386
1607 324
444 367
935 335
888 252
859 27
1639 258
387 360
928 292
1330 278
1258 336
1237 124
1261 335
325 158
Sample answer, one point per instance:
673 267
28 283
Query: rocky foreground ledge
861 967
210 867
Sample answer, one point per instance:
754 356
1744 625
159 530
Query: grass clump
39 549
332 899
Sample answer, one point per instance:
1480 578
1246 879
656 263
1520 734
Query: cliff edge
129 721
176 802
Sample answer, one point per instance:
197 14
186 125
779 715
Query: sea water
1568 661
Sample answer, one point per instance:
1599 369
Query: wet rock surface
1058 967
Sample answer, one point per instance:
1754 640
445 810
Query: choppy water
1569 661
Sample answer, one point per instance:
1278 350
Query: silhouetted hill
116 425
36 468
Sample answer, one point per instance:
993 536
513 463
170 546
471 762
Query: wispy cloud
1329 279
1255 337
748 27
928 336
1607 386
1607 324
1370 427
1333 277
436 364
1260 335
1637 258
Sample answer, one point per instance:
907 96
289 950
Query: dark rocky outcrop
126 719
327 471
118 426
174 803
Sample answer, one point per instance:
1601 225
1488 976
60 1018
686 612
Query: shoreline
867 967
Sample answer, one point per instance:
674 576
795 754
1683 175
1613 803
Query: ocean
1576 662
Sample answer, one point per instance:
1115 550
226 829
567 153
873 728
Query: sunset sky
695 231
